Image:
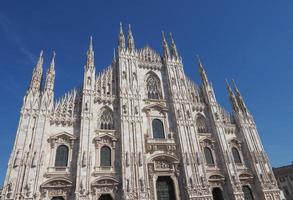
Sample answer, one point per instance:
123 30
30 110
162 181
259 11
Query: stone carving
34 159
17 159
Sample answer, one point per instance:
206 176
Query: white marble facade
138 130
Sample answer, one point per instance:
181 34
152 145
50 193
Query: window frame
56 154
110 158
210 154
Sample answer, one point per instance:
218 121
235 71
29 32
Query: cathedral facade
139 130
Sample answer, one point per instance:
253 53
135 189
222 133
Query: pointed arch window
209 156
236 156
61 159
201 124
107 122
153 87
105 156
158 129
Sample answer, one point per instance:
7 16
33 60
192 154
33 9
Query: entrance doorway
57 198
165 188
105 197
217 194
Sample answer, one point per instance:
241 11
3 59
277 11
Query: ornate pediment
245 176
216 177
165 157
57 183
235 141
105 138
62 138
158 106
105 181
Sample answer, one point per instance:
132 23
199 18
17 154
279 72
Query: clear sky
250 41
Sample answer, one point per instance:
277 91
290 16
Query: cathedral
138 130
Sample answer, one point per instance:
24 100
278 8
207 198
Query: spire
232 97
90 55
49 84
202 72
166 51
239 98
131 45
37 73
173 48
121 38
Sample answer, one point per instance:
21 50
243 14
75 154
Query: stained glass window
209 156
236 156
105 156
61 159
158 129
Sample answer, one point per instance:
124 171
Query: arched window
107 122
236 156
105 156
201 124
209 156
247 193
153 87
61 159
158 129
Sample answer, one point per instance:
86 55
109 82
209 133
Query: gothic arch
153 86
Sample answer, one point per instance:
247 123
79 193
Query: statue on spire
239 98
166 51
121 39
202 72
37 74
90 55
49 84
232 98
173 48
131 45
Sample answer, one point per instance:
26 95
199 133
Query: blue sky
250 41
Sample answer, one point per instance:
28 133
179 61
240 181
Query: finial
114 54
53 60
163 35
131 45
129 27
121 28
40 60
199 61
173 47
235 87
41 53
228 86
91 43
121 38
171 36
